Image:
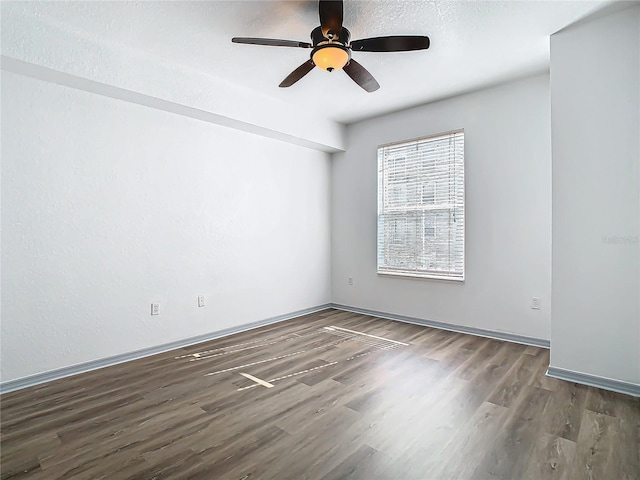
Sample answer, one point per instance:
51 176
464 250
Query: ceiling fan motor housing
330 54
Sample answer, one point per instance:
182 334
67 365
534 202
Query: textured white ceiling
473 44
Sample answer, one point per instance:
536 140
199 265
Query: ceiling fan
332 47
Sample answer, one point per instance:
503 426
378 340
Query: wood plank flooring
352 397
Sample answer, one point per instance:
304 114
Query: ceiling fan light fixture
330 57
332 47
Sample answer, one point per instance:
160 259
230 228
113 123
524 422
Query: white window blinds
421 207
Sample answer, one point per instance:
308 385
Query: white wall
596 134
108 206
508 212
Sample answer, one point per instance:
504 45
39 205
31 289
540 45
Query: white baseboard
619 386
479 332
38 378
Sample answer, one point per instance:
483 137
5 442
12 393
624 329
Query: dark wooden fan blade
396 43
361 76
297 74
272 42
330 16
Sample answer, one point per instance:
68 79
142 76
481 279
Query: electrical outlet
155 309
350 281
535 303
200 300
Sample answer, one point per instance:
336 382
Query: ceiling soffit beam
26 69
54 55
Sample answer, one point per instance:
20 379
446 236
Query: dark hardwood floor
314 398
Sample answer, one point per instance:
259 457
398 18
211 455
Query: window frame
418 274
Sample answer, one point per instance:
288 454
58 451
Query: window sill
421 276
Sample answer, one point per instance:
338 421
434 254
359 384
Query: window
421 207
